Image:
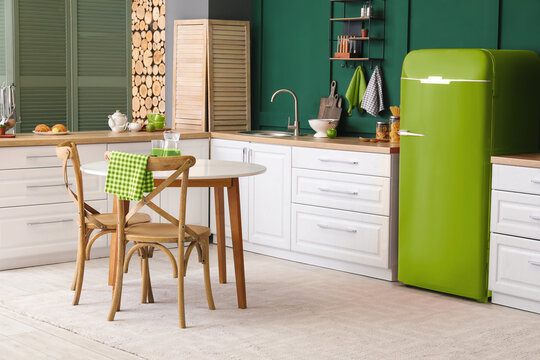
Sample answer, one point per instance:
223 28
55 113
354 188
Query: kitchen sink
268 133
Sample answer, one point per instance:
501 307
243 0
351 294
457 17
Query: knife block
345 55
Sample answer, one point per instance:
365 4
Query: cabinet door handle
40 156
351 162
536 181
45 186
347 192
534 262
244 150
250 155
330 227
49 222
534 217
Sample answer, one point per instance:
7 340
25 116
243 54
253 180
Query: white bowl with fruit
322 125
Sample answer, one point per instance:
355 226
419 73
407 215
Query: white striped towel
373 101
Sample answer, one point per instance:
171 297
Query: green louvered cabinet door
72 64
102 80
41 65
3 36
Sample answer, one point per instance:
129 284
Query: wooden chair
152 235
89 219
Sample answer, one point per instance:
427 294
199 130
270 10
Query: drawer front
515 214
342 235
42 230
44 186
25 157
514 267
342 161
370 194
516 178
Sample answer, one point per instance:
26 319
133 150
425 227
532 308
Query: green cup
157 120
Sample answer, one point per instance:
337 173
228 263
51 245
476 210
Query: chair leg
207 285
115 306
81 259
147 295
181 270
74 283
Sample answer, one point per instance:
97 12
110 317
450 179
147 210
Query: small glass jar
394 128
381 130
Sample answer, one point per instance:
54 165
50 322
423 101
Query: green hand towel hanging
356 90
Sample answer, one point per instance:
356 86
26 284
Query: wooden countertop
340 143
527 160
100 137
93 137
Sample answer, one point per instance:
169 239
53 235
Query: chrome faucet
295 126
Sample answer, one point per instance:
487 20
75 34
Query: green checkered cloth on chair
127 177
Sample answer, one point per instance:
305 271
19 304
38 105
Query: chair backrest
68 151
179 165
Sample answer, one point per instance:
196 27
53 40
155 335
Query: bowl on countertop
321 125
157 120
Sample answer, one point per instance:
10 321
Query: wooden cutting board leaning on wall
212 75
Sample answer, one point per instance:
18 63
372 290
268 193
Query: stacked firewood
148 57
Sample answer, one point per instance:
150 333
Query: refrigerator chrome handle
534 262
534 217
536 181
408 133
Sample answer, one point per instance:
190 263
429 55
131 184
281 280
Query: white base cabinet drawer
26 157
514 267
344 235
43 186
342 161
515 214
516 178
369 194
42 234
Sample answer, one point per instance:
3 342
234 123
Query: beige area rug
295 311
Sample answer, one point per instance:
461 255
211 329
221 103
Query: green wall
290 48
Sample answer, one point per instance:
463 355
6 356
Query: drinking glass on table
171 148
157 147
171 135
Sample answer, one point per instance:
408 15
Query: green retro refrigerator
459 107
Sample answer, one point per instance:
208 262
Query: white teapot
136 126
118 122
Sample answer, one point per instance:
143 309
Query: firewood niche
148 57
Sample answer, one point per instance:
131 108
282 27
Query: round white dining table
218 174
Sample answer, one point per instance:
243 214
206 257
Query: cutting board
327 102
334 111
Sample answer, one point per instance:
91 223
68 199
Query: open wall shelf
360 47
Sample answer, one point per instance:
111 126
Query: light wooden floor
25 338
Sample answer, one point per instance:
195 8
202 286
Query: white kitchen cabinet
341 235
43 234
270 196
264 198
37 217
331 208
230 150
514 259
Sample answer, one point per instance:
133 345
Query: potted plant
2 129
364 33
